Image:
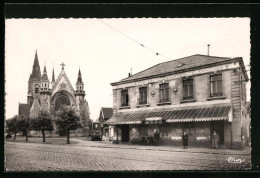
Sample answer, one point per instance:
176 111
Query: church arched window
36 88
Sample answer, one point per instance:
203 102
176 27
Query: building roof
107 112
79 80
172 66
44 75
202 113
53 76
24 109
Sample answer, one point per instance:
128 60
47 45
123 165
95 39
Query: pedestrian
156 138
215 139
243 143
185 139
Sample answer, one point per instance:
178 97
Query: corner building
197 94
43 95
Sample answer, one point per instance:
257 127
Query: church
43 95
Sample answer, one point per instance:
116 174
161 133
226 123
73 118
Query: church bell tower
79 93
45 91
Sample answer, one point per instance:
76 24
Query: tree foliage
67 119
23 125
44 122
11 125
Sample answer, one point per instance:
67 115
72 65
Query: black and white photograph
127 94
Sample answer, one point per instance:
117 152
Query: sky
106 49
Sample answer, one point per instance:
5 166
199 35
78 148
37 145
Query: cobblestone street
87 155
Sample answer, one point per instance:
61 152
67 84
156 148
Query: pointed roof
107 112
53 76
61 78
79 81
36 72
44 75
24 109
35 109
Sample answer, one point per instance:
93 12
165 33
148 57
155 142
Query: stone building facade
197 94
43 95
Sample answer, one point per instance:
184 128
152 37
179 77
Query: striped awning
213 113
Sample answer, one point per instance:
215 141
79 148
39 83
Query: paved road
81 157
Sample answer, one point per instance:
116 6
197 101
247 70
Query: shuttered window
164 92
188 89
124 98
143 95
216 85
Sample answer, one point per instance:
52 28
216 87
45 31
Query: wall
236 104
201 90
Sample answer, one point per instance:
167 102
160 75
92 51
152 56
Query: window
124 98
143 95
188 89
164 92
36 88
216 85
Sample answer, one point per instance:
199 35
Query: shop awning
205 113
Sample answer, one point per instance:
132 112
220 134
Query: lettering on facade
176 76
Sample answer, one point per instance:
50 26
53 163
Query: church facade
50 96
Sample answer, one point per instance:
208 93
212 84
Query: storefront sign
201 138
176 138
176 76
153 119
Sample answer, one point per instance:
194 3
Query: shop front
199 123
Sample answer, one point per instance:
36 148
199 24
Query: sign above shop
153 119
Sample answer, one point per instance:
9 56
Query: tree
44 122
11 125
67 119
23 125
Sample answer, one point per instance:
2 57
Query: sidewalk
108 144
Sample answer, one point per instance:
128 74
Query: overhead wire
156 52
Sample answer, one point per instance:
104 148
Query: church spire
44 75
53 76
79 81
36 72
80 86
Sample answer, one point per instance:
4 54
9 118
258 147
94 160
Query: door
125 133
218 127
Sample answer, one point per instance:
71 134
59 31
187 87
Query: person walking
185 139
215 139
156 138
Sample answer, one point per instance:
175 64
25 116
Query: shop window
124 98
164 92
216 85
188 89
143 95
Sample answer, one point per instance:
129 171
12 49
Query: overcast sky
106 50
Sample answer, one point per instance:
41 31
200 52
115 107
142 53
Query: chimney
208 48
130 73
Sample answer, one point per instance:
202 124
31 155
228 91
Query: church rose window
61 100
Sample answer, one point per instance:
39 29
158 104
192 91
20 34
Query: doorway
218 127
125 133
